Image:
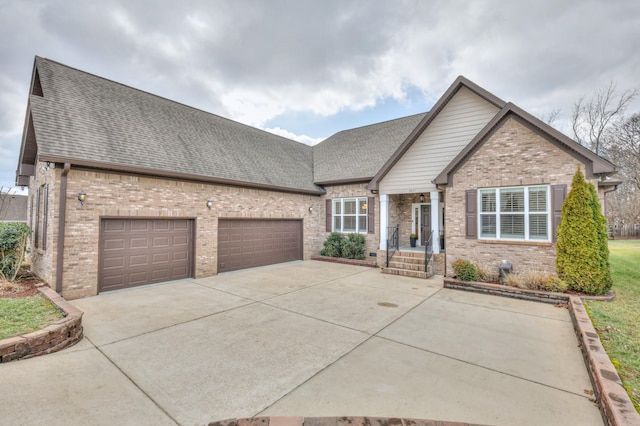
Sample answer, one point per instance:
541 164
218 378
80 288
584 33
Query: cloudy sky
307 69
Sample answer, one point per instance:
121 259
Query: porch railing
393 241
428 252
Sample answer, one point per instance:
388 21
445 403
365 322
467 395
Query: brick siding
349 191
513 155
122 195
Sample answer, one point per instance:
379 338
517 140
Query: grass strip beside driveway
617 321
24 315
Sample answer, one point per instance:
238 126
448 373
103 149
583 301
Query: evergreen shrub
465 270
582 254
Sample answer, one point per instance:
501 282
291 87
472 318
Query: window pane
337 224
538 199
512 200
349 223
362 223
362 205
512 226
488 201
337 207
488 226
538 227
350 207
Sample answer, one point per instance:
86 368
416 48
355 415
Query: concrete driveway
308 339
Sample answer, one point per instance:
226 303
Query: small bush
536 279
515 279
353 247
333 245
486 273
555 284
13 247
465 270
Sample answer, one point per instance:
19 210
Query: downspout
62 216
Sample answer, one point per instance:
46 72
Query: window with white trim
350 215
515 213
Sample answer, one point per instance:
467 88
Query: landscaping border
59 335
615 405
345 261
333 421
519 293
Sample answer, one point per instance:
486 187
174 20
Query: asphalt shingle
93 120
88 118
360 153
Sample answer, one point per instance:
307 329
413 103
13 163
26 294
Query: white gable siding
458 122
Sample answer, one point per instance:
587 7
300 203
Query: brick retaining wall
63 333
334 421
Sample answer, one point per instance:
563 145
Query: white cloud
307 140
256 61
13 104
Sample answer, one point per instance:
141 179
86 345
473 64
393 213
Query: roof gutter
118 168
62 216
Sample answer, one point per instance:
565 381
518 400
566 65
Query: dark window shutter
371 219
471 210
45 214
558 194
329 216
36 231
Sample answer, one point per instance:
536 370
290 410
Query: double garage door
144 251
246 243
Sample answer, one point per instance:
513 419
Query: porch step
405 273
407 263
406 259
418 266
410 253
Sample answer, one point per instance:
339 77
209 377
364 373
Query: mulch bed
26 285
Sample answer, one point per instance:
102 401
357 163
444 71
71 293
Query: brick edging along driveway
615 405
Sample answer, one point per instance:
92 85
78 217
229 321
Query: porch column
435 219
384 220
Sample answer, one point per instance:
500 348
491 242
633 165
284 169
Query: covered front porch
419 214
412 233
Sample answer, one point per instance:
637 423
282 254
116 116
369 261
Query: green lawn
25 314
618 322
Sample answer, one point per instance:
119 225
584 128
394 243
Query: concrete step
406 259
405 273
408 253
407 266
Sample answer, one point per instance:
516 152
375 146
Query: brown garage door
245 243
143 251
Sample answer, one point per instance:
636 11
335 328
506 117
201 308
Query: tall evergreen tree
603 240
582 255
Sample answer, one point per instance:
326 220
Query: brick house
127 188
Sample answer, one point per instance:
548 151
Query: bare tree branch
551 117
592 118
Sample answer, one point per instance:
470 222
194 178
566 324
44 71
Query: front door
425 223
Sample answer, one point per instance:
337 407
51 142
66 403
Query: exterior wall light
422 198
81 197
209 204
310 209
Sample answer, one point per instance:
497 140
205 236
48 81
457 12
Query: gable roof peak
458 83
598 165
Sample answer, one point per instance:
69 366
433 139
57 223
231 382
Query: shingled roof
88 120
357 154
